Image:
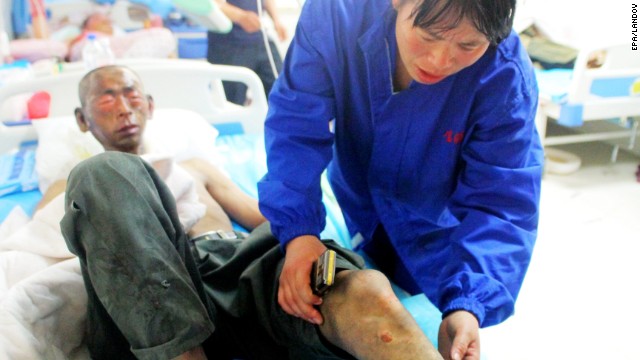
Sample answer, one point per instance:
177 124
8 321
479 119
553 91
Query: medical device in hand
323 272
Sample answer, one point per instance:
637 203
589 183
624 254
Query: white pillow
61 146
181 134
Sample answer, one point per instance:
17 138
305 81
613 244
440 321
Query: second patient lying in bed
158 290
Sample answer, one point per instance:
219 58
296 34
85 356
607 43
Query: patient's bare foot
197 353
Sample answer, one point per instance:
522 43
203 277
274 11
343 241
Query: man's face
430 55
116 110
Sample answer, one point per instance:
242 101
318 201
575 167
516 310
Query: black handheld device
323 272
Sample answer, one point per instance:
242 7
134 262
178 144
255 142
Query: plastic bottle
97 52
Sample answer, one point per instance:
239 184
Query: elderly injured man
168 277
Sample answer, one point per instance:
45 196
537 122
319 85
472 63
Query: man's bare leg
363 316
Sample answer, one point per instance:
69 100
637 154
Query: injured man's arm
225 201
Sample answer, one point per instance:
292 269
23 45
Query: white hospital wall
579 23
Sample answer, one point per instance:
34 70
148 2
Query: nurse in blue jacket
422 112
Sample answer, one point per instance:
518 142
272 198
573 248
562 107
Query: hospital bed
41 306
602 101
201 92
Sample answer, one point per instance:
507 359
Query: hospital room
563 259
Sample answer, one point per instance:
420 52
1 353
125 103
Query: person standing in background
244 45
39 25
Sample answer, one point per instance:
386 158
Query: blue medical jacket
452 170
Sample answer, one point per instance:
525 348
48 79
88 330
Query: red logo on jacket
456 138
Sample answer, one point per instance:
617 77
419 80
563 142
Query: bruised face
115 109
430 55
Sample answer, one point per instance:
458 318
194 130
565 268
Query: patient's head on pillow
114 114
114 108
177 133
98 22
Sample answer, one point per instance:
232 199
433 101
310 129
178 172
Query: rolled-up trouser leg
144 289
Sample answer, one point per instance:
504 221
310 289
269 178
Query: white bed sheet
42 296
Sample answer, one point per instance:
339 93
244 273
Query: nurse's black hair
493 18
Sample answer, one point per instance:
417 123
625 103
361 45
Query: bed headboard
173 83
607 92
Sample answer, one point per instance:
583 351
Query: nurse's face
430 55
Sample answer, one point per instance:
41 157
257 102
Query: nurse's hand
459 336
294 294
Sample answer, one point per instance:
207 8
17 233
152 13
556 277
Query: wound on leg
386 337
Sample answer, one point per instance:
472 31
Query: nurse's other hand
459 336
294 293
